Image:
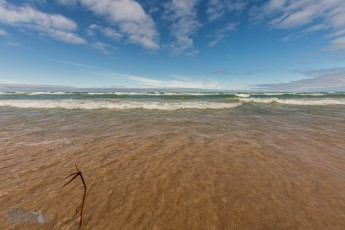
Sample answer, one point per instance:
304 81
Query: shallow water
253 166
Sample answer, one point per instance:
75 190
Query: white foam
295 101
273 94
46 93
119 105
242 95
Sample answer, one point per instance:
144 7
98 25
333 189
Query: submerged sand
175 170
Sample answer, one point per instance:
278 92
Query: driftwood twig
75 175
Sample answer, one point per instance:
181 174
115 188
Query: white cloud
65 36
53 25
183 14
222 33
111 33
3 32
305 15
129 17
274 5
181 82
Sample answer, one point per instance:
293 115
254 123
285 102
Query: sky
281 45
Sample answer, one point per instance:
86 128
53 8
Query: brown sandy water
251 167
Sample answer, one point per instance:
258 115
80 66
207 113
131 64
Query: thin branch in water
75 175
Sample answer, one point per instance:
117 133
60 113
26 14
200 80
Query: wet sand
234 169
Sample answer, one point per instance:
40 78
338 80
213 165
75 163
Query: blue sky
210 44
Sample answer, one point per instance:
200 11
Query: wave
295 101
132 93
36 93
121 93
116 105
287 93
311 94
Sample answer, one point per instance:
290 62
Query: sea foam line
119 105
120 93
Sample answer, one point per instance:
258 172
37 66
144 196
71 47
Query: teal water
163 101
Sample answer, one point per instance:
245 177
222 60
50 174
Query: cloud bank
318 80
53 25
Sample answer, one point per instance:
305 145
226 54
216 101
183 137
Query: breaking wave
117 105
325 101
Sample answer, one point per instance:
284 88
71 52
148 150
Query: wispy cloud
320 79
8 81
338 43
215 9
68 2
236 5
3 33
305 32
177 82
102 47
80 65
53 25
306 16
222 33
14 44
111 33
129 17
183 15
222 72
107 31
